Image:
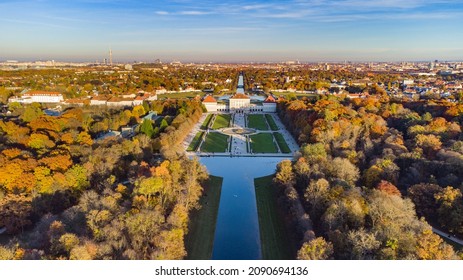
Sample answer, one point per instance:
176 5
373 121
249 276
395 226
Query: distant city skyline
232 31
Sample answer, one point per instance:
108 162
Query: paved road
447 235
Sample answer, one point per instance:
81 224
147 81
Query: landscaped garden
221 121
215 142
257 121
206 122
271 122
195 142
282 143
263 143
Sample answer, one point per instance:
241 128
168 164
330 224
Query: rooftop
209 99
239 96
41 92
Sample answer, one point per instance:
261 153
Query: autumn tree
450 211
431 247
316 249
15 211
31 112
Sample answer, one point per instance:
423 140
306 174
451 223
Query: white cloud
193 13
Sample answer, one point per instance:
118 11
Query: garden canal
237 230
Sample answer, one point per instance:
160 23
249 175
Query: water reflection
237 231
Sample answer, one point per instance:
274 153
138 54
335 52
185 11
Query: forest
372 178
66 195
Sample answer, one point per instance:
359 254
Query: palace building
240 103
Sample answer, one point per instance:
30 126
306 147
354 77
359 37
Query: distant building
270 105
38 96
121 102
77 101
239 101
210 103
99 100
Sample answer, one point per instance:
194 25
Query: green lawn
263 143
257 122
195 142
271 122
282 143
221 121
180 95
200 239
273 236
215 142
206 122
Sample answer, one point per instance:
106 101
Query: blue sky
205 30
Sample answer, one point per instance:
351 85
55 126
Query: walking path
292 144
239 143
447 235
186 142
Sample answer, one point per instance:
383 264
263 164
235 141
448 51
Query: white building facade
241 103
39 97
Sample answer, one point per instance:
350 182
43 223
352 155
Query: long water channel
237 231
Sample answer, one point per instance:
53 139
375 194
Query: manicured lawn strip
282 143
215 142
200 239
273 236
206 122
271 122
195 142
257 122
221 121
263 143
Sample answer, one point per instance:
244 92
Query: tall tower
110 57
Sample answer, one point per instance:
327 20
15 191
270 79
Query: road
447 235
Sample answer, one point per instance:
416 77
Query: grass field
273 235
180 95
206 122
257 122
271 122
263 143
282 143
215 142
221 121
195 142
200 239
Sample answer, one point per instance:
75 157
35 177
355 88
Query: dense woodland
372 176
64 195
